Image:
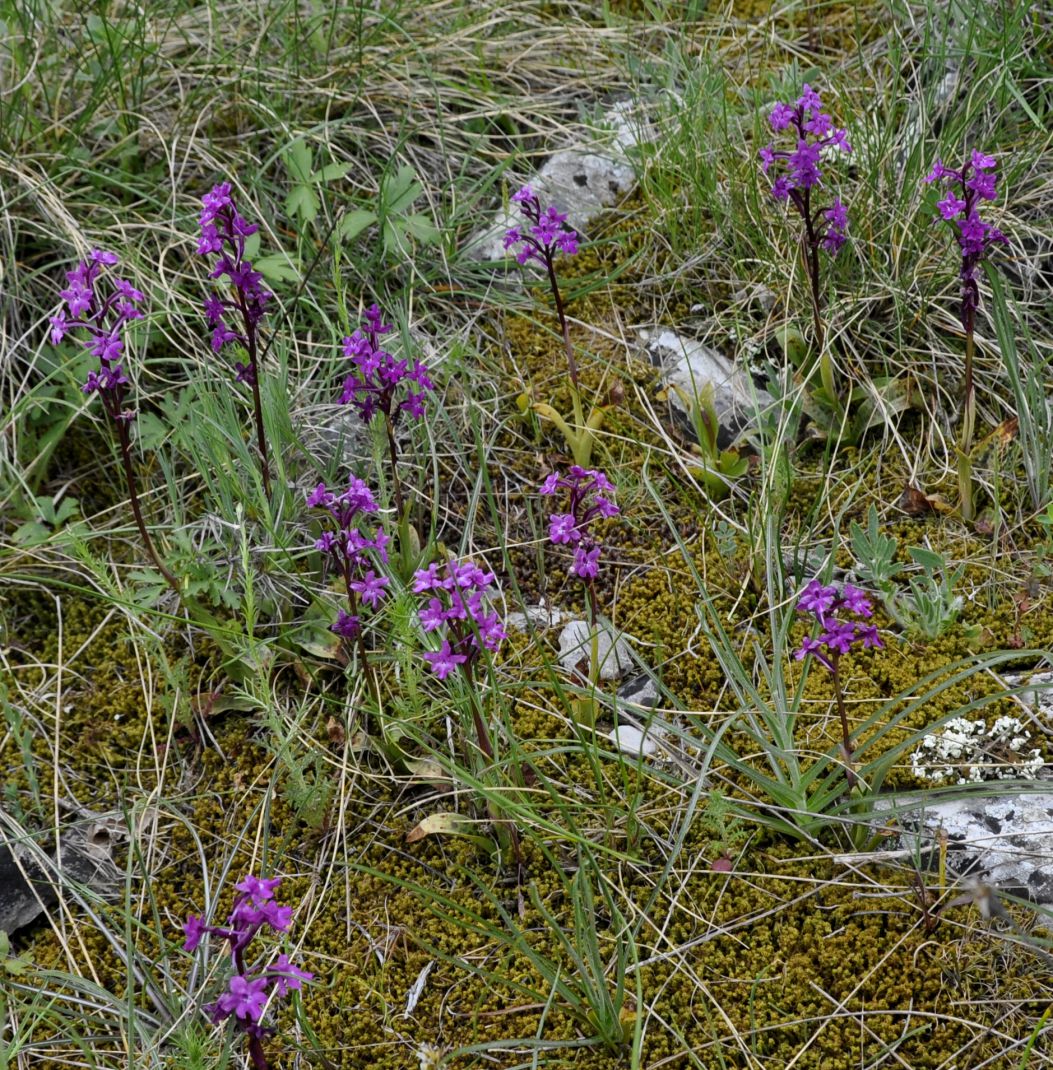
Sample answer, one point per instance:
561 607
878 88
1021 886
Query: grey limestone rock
540 616
688 367
1007 840
582 179
640 692
616 656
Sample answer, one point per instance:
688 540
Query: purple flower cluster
460 593
547 231
223 233
371 387
103 320
839 634
352 550
964 189
587 487
249 987
814 131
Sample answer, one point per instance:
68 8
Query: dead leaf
441 824
336 732
914 502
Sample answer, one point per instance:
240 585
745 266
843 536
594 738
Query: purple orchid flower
250 985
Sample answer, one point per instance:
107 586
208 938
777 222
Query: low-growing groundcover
298 496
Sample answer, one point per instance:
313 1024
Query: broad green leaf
331 171
355 222
929 560
299 159
277 268
402 190
422 228
302 202
32 533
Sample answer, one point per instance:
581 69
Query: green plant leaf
401 190
422 228
331 172
302 202
355 222
277 268
299 159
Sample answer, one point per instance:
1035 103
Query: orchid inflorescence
353 552
965 188
834 611
460 594
586 487
544 237
372 386
546 234
839 634
104 320
223 233
814 131
251 985
375 384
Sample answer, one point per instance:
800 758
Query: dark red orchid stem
393 453
254 382
572 364
845 733
360 639
256 1054
812 266
124 438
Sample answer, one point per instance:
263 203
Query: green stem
482 734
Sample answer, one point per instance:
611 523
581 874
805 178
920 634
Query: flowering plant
103 320
587 490
840 615
354 553
964 189
251 985
459 600
813 131
378 380
223 234
543 237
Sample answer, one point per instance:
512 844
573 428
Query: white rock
688 366
1037 694
540 616
616 656
630 740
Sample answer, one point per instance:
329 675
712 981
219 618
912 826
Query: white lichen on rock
969 752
